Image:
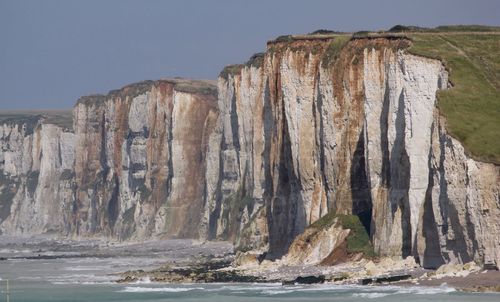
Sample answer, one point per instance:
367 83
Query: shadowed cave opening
360 185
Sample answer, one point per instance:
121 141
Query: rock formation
36 176
306 129
310 127
132 168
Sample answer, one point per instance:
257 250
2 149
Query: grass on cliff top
62 118
256 60
444 28
358 240
333 50
472 105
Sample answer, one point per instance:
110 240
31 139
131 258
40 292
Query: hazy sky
53 51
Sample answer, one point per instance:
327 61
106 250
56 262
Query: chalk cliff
36 176
315 125
140 156
132 168
310 127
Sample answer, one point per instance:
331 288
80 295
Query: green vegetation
444 28
361 34
256 60
325 221
325 32
63 120
285 38
31 118
333 50
358 240
203 87
231 70
472 105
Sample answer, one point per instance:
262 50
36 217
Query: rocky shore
191 261
384 271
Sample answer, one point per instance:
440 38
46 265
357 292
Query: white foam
80 279
426 290
360 291
304 288
248 287
130 289
145 280
83 283
83 268
28 278
370 295
278 292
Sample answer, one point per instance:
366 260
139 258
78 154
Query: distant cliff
132 168
317 124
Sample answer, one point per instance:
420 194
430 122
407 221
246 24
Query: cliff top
203 87
395 31
61 118
255 60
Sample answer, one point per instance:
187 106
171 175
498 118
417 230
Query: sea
93 279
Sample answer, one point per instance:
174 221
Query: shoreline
466 278
189 261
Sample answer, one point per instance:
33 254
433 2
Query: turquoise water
88 279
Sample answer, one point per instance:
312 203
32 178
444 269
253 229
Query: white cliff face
399 109
37 178
461 207
235 170
361 136
140 160
133 168
429 199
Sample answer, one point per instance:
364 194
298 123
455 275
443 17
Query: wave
278 291
81 279
426 290
370 295
144 280
133 289
83 283
378 292
355 290
84 268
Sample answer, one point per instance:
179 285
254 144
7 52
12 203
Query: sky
54 51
